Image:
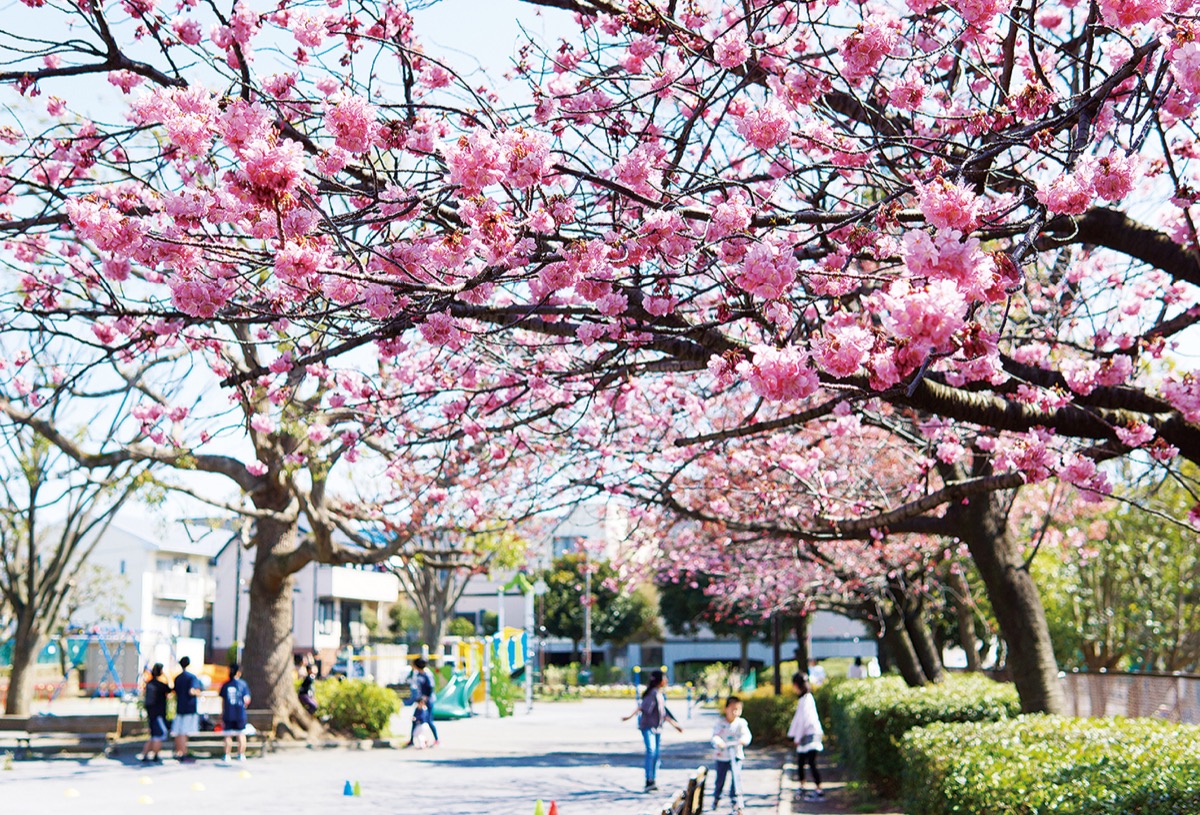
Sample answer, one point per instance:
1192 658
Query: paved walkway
579 754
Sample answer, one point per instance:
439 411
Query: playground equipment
453 700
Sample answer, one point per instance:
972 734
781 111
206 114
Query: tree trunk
744 656
960 593
433 628
27 644
922 641
269 668
801 626
900 649
1016 602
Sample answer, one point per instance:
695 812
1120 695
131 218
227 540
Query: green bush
360 709
504 692
767 714
870 717
1048 764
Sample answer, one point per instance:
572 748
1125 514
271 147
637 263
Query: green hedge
1048 764
357 708
871 716
767 714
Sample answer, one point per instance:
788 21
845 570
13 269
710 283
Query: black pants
810 758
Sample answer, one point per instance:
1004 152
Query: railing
182 586
1175 697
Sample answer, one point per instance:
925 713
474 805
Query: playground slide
453 700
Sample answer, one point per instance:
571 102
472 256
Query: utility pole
587 617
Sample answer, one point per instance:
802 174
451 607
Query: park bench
49 733
689 801
136 731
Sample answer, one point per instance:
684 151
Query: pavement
578 754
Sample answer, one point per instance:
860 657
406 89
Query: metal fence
1175 697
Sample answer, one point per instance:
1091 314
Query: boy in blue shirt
235 697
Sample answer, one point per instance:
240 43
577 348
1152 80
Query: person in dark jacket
155 699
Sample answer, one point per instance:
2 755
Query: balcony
356 584
193 590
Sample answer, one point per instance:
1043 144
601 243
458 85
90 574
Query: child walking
235 697
422 732
730 735
807 733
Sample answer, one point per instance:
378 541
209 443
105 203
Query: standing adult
857 670
155 699
808 735
187 719
422 684
652 712
235 698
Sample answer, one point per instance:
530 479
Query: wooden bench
689 801
136 731
44 734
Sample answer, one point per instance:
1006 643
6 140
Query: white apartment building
330 604
165 576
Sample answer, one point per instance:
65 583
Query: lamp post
585 673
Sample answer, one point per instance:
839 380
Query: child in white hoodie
730 735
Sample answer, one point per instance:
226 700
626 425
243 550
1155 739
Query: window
326 617
564 544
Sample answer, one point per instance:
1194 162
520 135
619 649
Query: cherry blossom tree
978 216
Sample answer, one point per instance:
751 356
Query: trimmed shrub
360 709
767 714
1050 764
870 717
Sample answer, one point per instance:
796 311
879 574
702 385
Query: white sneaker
241 759
226 760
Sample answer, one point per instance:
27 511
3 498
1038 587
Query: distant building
330 604
166 575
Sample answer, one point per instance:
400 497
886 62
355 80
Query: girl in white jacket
731 733
807 733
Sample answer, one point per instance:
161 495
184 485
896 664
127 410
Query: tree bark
744 655
433 628
1015 600
800 624
268 663
960 593
900 649
922 641
27 644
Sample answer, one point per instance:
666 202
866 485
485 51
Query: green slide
453 700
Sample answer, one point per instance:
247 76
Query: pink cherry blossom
1128 13
926 317
353 122
1114 175
843 346
731 49
949 206
474 162
768 271
767 126
867 46
780 374
1068 194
